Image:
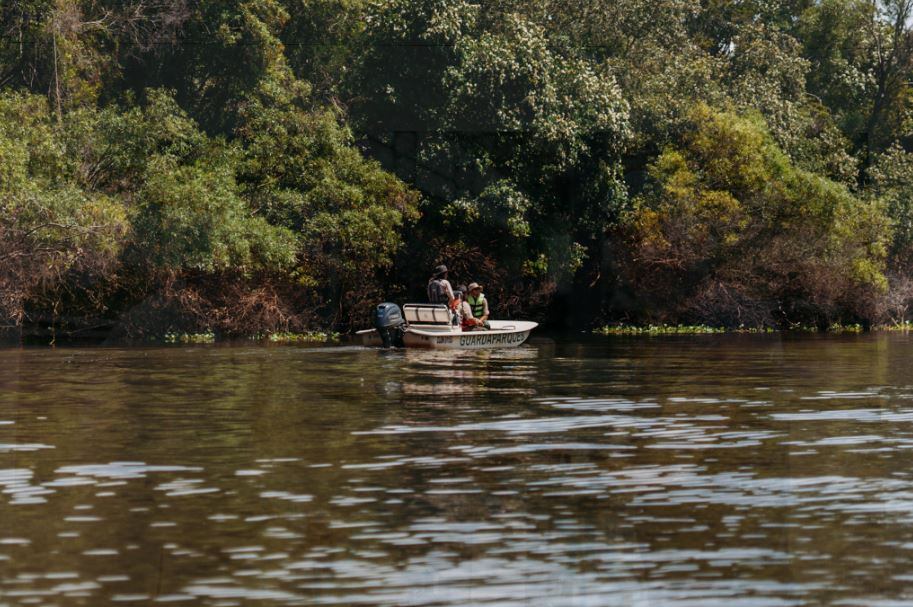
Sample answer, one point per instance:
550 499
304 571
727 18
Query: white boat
429 326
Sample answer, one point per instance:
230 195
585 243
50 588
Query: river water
706 470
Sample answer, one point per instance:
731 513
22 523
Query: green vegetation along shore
253 167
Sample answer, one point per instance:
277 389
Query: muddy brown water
705 470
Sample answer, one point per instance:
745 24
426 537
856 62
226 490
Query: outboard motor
388 320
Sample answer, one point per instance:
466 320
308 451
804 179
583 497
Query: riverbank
48 338
665 329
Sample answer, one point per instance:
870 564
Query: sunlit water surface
746 470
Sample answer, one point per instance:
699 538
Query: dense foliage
249 166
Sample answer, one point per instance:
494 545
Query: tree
509 127
736 234
301 170
862 56
322 40
766 72
55 238
891 177
197 51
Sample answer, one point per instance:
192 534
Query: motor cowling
389 322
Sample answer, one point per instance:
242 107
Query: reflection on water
746 470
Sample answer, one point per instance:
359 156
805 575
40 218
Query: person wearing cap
439 289
477 303
467 321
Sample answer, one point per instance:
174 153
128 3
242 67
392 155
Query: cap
474 285
441 269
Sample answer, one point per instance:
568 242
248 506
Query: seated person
478 303
467 321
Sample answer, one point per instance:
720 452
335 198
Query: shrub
729 232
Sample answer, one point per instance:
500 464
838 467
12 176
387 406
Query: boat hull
503 334
470 340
